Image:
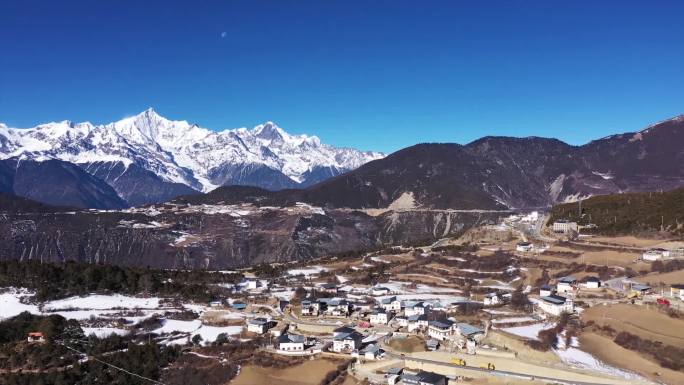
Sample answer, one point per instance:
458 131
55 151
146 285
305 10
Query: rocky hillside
630 213
496 172
222 235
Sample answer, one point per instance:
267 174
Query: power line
113 366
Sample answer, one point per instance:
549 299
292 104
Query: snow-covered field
103 302
529 331
195 327
513 320
579 359
10 303
111 307
313 270
104 332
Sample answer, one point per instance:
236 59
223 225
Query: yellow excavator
488 366
458 361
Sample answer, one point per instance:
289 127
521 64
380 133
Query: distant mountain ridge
148 158
495 173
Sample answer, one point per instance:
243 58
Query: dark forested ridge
629 213
53 280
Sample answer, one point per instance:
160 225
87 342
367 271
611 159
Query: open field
409 344
672 277
608 351
629 241
645 322
308 373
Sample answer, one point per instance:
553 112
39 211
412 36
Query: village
515 301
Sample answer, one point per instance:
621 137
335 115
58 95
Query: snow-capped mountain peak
180 152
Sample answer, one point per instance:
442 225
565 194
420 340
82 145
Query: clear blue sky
374 74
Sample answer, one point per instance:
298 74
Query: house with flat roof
416 308
423 378
379 317
391 304
566 285
291 342
468 331
259 325
347 342
440 330
564 226
417 322
677 291
556 305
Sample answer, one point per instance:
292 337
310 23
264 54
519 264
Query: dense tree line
54 362
629 213
51 281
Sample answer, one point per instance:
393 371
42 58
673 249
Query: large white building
655 255
440 330
564 226
391 304
418 308
379 317
556 305
347 342
259 325
291 342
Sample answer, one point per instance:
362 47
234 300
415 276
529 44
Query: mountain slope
58 183
499 172
152 153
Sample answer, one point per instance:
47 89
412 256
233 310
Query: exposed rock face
216 236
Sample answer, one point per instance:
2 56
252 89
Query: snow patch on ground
11 305
313 270
103 302
529 331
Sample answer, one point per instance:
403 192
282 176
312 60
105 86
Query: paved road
500 372
389 353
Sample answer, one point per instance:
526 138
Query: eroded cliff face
217 236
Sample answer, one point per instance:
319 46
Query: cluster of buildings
659 254
558 299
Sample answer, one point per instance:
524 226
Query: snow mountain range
147 158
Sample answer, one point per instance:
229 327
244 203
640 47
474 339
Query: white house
556 304
347 342
338 307
566 285
291 342
492 299
416 322
592 283
545 291
468 331
564 226
524 247
440 330
677 291
259 325
379 317
401 320
310 307
417 308
371 352
391 304
655 255
380 290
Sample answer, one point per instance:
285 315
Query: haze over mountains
147 159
